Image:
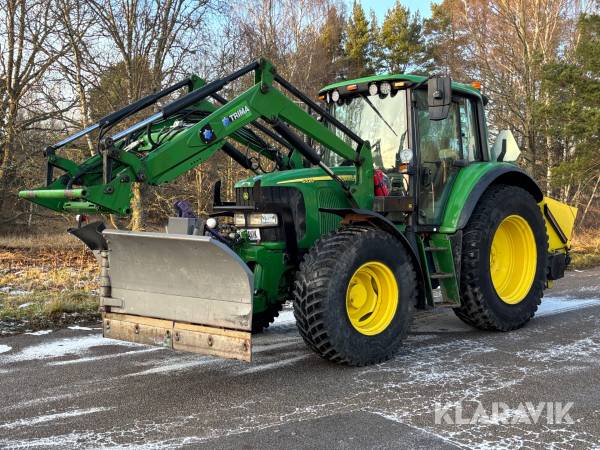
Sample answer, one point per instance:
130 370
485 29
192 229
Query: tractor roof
461 87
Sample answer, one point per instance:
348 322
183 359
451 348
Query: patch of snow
25 305
50 417
77 327
267 347
555 305
62 347
5 348
103 357
177 366
273 365
589 289
39 333
581 350
40 401
285 317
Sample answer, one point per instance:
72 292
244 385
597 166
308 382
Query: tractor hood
297 177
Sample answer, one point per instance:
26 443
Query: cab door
443 146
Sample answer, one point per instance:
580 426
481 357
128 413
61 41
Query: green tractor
380 195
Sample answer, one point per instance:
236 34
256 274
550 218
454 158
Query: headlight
262 220
239 220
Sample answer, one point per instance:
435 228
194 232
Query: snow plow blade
188 293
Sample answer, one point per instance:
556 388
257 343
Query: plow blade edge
189 293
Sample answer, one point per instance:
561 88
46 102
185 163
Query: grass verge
46 281
585 252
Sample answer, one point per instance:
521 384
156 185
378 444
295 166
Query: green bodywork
270 262
458 87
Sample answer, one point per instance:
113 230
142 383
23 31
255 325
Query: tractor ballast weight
354 263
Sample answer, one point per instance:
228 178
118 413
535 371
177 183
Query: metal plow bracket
195 286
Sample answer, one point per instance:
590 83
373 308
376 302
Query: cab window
468 128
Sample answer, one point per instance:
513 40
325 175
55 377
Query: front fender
385 224
470 184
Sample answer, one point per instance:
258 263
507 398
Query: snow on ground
555 305
273 365
62 347
77 327
128 353
272 340
50 417
5 348
39 333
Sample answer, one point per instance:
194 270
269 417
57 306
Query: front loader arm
105 180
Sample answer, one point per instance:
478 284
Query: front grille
244 196
287 202
329 198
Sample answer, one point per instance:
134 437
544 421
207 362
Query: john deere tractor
381 197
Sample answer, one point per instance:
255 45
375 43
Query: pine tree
400 39
571 114
444 44
375 51
330 44
358 42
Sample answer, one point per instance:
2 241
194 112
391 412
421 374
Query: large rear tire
354 295
504 258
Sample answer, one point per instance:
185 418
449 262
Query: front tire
354 295
262 320
504 260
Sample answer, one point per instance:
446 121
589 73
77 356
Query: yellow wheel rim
372 298
513 259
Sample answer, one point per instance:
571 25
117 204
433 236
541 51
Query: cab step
441 275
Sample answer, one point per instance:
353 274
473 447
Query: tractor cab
421 133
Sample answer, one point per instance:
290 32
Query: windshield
381 121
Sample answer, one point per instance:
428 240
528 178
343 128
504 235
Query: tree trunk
591 199
137 211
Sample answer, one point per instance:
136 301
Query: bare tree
28 51
77 22
154 40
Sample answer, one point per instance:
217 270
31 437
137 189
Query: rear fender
473 181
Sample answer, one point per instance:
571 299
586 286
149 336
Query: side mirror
439 97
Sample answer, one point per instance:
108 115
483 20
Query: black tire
262 320
481 306
320 295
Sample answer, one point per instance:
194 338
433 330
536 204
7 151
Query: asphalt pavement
449 387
